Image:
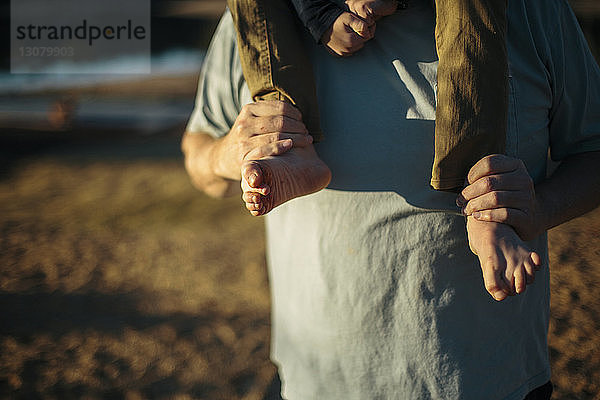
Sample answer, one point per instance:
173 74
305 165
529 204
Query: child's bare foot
271 181
506 262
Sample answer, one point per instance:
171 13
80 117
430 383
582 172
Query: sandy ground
119 280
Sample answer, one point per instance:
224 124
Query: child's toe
252 173
494 284
520 280
536 260
529 272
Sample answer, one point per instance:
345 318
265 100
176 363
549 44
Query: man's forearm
501 190
571 191
198 149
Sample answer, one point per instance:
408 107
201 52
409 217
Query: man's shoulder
222 52
225 30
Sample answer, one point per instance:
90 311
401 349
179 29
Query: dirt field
119 280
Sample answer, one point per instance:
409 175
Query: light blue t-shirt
375 292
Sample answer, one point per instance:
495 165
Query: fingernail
287 143
463 211
476 214
310 139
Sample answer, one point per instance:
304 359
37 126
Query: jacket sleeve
317 15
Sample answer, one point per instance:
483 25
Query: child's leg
472 95
471 115
276 67
274 60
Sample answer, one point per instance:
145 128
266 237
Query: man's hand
372 10
501 190
264 128
348 34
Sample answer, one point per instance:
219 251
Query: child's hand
372 10
348 34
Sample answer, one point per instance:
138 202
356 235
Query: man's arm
573 190
198 149
501 190
262 129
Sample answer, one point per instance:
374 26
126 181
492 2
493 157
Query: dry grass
119 280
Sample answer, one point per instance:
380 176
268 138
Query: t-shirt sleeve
575 113
222 90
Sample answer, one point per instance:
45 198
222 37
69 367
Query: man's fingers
493 164
511 181
275 148
275 124
499 199
508 216
276 144
297 139
273 108
270 149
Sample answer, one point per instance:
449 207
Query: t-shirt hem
519 394
448 184
533 383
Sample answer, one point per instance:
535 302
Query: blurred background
119 280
